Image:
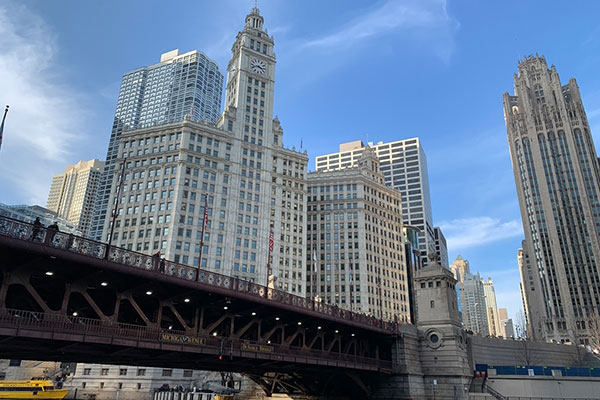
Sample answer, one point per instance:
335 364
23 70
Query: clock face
258 66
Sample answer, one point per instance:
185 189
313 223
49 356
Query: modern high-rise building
181 84
252 187
73 194
404 167
441 248
412 255
472 297
506 323
558 183
491 307
528 291
355 241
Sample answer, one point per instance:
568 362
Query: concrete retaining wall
494 351
546 387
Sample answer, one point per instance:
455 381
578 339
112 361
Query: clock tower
250 83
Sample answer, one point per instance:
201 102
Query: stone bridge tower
442 341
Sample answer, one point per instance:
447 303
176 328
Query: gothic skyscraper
557 176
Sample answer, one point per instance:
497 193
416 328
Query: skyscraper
472 297
355 241
73 194
181 84
236 172
460 268
441 248
404 168
491 308
558 183
506 323
528 292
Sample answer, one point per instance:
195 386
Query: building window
104 371
123 371
120 385
432 304
14 363
187 373
83 384
141 372
167 372
139 386
87 371
101 385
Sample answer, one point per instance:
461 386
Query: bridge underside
291 378
59 306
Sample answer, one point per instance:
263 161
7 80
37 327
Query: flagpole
380 299
2 125
115 210
315 274
204 223
351 290
271 243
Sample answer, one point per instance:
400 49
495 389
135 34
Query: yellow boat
30 390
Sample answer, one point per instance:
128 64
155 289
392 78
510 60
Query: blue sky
347 70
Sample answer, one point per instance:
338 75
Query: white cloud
427 16
45 121
472 232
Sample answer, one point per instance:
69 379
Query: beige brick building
250 184
73 194
355 241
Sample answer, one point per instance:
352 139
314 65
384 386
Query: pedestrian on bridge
155 260
37 225
52 229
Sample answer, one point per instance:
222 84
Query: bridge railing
80 245
52 323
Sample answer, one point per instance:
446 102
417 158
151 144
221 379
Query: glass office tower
181 84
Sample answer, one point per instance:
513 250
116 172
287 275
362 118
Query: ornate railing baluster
76 244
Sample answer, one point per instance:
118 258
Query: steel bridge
67 298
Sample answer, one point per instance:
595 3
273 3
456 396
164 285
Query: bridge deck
106 304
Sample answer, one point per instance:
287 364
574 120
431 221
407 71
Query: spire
254 19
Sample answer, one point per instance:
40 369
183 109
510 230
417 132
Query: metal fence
536 370
76 244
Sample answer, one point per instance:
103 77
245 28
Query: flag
205 214
379 283
2 125
271 243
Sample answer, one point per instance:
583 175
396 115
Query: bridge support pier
406 380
